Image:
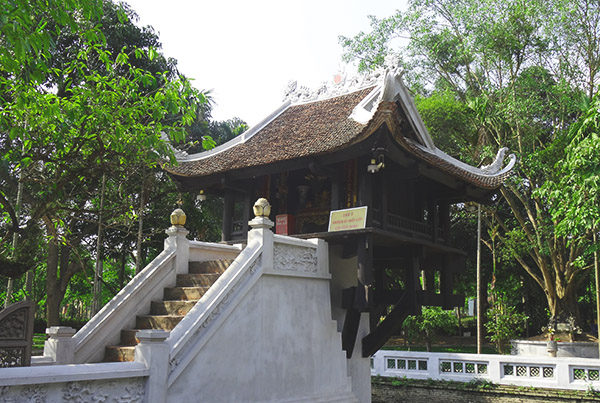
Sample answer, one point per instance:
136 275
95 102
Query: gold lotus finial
262 208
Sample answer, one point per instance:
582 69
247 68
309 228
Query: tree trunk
56 285
122 269
139 261
480 297
15 243
9 291
52 290
563 308
97 294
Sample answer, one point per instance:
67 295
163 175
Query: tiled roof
388 113
299 131
325 126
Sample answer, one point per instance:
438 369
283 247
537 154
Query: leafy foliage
504 323
85 98
431 321
506 73
574 198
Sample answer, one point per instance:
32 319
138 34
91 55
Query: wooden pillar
365 188
246 214
413 285
445 220
335 194
433 219
227 224
384 201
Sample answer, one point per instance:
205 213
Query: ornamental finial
262 208
178 218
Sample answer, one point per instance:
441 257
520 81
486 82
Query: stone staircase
177 302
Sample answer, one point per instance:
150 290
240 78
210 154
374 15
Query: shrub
504 323
432 321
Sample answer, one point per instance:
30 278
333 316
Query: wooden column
445 220
384 201
335 194
227 224
246 214
365 188
433 219
412 284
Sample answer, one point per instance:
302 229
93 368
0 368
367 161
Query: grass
38 341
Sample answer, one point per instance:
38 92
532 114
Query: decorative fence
532 371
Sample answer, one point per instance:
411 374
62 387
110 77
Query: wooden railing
398 223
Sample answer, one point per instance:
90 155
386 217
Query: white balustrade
543 372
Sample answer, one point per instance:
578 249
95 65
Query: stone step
119 353
196 280
164 322
166 314
128 337
171 307
184 293
209 266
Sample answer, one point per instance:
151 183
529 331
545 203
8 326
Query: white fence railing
531 371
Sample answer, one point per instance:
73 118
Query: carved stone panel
104 391
295 258
16 334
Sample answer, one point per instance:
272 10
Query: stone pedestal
154 353
60 346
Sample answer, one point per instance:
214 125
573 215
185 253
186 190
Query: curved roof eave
321 126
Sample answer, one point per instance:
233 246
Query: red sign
285 224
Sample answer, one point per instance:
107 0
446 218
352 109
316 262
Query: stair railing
134 299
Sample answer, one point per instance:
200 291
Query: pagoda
353 163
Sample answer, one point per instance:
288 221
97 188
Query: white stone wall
343 275
278 344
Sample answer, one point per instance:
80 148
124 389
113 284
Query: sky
246 52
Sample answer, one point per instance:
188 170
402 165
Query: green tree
504 324
516 67
68 121
574 199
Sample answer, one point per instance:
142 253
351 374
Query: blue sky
247 51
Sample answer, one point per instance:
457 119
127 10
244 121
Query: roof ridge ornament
342 83
496 165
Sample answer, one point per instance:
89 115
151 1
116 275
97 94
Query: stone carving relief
295 258
13 327
23 394
129 390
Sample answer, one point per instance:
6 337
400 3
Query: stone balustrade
531 371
